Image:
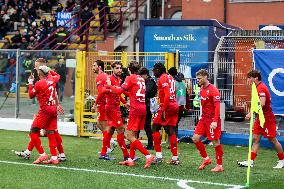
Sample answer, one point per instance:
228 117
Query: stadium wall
64 128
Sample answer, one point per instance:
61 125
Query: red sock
59 142
219 154
109 136
30 146
122 145
106 140
37 142
280 156
157 141
138 145
174 146
132 151
200 146
253 155
52 144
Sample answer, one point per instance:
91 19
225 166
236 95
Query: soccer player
167 115
99 106
55 77
209 124
46 118
269 129
135 86
112 108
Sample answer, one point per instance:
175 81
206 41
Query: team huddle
109 118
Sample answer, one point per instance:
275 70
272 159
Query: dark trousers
148 127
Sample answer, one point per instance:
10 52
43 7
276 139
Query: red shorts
171 116
46 118
113 117
203 129
135 122
101 113
268 130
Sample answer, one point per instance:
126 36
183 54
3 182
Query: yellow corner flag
255 107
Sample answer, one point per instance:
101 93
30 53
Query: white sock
159 155
206 158
175 158
219 165
148 156
54 157
62 155
27 152
43 154
129 159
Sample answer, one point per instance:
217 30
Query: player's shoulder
212 88
164 78
262 86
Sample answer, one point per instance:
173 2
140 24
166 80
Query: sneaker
127 163
106 157
218 168
41 159
52 161
149 161
62 159
23 155
158 160
173 162
136 158
204 164
279 165
245 163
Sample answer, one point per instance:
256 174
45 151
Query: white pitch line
181 182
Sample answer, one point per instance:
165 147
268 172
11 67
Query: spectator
60 7
17 38
44 22
181 92
60 38
24 44
60 68
151 91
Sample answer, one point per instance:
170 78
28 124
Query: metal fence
16 67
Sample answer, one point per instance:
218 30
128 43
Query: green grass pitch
83 169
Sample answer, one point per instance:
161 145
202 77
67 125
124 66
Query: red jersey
264 92
166 90
101 82
210 102
112 98
135 85
44 90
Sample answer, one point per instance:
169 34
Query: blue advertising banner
62 18
181 38
271 65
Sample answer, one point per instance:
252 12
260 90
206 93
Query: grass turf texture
82 154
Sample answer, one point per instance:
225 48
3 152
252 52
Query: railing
133 8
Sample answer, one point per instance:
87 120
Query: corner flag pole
254 108
250 146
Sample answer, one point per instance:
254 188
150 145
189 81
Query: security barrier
86 86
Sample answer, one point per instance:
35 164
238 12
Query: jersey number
51 100
139 95
172 88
